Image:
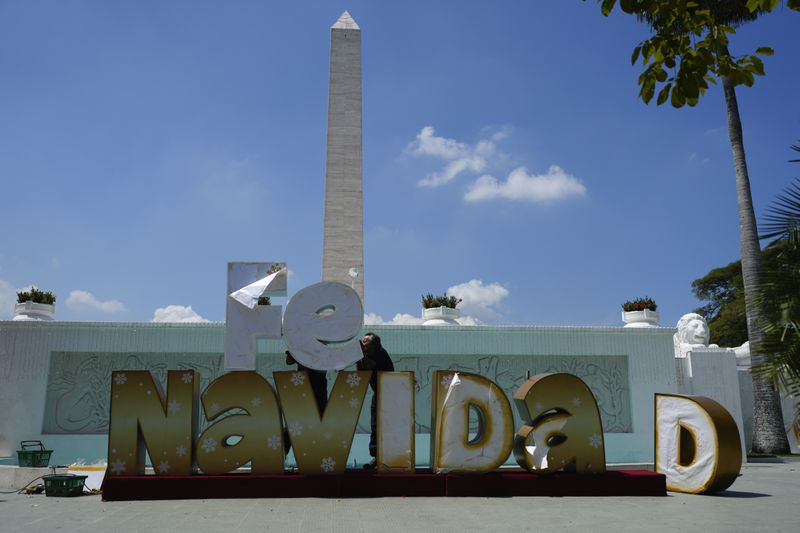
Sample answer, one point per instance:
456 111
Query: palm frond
782 218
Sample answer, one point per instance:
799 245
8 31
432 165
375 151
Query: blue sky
143 145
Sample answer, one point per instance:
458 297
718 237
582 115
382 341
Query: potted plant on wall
640 313
35 304
439 310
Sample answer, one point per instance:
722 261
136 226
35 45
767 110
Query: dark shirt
379 361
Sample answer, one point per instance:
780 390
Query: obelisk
343 237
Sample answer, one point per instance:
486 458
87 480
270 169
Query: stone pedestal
440 316
34 311
640 319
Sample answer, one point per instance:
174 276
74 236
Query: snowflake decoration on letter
447 380
576 401
214 407
186 377
595 441
298 378
118 467
120 379
274 442
174 406
328 464
209 445
327 435
180 451
353 402
255 402
353 380
163 467
295 429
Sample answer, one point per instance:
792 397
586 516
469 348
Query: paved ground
765 498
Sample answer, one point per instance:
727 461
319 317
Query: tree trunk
769 435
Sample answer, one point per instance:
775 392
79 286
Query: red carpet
360 484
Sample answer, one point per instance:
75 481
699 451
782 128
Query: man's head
371 343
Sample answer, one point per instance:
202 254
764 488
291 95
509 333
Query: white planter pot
640 319
440 316
32 311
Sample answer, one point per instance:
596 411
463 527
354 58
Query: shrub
640 304
429 301
36 296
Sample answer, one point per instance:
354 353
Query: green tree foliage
689 45
723 290
781 291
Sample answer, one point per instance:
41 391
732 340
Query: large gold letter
562 429
452 450
396 422
141 418
697 444
321 442
259 428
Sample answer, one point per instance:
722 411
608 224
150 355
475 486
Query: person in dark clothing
377 359
318 380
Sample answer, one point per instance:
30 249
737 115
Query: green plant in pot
640 313
429 301
36 296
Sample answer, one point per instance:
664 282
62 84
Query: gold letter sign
562 428
396 422
142 418
258 428
455 394
321 441
697 444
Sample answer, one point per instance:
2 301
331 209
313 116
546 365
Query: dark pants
373 415
319 385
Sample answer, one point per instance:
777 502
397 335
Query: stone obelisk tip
345 22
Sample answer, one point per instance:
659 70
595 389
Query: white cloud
404 319
479 301
427 143
400 319
86 300
8 297
468 321
550 187
177 313
460 157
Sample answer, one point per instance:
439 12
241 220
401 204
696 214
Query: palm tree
677 44
781 287
768 431
781 295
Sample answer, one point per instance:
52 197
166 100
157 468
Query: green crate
63 485
30 458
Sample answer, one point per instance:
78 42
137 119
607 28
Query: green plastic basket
30 458
63 485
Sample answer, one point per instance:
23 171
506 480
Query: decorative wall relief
78 383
